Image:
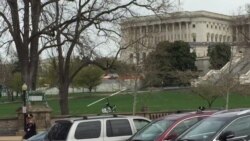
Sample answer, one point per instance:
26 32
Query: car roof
72 119
180 116
232 113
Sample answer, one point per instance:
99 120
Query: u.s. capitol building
140 35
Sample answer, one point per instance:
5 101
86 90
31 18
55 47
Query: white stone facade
199 28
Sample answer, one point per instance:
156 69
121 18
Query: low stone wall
9 126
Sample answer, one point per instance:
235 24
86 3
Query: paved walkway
11 138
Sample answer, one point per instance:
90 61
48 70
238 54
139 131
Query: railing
245 78
234 61
211 73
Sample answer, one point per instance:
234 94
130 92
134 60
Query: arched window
224 38
228 38
208 36
212 37
131 58
194 37
137 57
216 38
144 55
220 38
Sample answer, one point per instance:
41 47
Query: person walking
30 127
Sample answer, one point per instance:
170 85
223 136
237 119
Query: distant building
199 28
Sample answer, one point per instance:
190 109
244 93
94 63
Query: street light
24 109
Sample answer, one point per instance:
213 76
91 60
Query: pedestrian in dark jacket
30 127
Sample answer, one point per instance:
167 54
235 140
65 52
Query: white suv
97 128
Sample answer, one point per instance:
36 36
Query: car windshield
152 130
59 130
205 130
38 137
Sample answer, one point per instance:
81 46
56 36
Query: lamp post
24 109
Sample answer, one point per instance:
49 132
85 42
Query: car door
238 130
117 129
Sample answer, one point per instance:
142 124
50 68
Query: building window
220 38
193 25
234 38
137 57
211 26
207 25
131 57
144 55
216 38
224 38
194 37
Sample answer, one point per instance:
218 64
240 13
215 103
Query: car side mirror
171 137
226 135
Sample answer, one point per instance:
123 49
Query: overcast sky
228 7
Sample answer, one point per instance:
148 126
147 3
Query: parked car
231 125
95 128
169 127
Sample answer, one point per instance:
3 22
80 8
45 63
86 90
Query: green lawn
155 101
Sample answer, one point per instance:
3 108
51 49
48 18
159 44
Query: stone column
153 35
41 115
187 32
237 32
180 31
147 36
141 35
248 31
167 33
173 32
160 32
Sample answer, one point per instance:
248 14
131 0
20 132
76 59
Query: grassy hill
155 101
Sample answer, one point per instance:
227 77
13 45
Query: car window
88 130
184 125
59 131
153 130
206 129
118 127
139 123
240 127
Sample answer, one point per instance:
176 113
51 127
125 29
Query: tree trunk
90 89
26 46
135 97
227 101
210 105
63 92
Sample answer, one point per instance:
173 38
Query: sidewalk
11 138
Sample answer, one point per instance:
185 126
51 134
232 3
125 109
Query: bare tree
32 26
208 92
21 28
73 38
